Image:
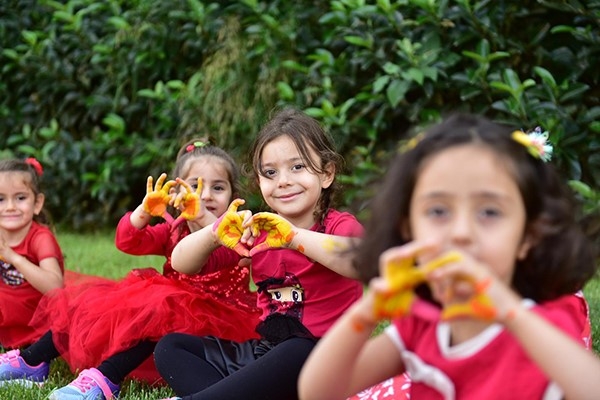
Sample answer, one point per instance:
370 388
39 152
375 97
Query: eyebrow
214 182
288 161
481 194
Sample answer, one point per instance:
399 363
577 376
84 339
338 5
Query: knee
167 345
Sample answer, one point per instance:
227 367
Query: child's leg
41 351
180 360
119 365
272 376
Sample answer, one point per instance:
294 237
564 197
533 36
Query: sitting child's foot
89 385
14 370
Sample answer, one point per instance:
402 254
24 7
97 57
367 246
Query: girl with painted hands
498 317
106 329
31 261
303 283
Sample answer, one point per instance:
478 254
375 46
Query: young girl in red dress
110 328
31 261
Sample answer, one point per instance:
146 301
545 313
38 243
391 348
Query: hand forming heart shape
230 228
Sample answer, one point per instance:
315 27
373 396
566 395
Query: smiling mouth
287 196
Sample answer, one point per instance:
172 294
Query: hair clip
191 147
36 165
412 142
536 142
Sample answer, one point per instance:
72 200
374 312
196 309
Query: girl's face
217 192
466 199
287 185
18 203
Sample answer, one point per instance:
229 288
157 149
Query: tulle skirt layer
97 318
17 305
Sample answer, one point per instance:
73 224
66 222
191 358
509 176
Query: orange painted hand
157 199
279 231
479 305
229 228
402 277
188 201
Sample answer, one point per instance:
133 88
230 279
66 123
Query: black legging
115 367
180 360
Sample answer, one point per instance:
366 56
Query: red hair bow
36 165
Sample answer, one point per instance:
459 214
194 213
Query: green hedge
103 92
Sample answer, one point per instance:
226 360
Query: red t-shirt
297 286
38 244
492 365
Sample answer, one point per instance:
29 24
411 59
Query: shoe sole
22 382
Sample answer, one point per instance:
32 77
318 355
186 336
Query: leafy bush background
104 92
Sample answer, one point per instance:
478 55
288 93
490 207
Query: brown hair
306 133
199 147
33 181
562 259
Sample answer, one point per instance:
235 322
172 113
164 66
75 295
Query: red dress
95 319
18 299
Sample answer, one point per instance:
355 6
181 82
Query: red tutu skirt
17 305
97 318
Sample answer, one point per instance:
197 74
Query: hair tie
536 143
36 165
191 147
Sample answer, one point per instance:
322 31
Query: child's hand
279 231
188 201
156 201
402 276
229 228
469 289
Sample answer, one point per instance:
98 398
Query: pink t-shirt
294 285
492 365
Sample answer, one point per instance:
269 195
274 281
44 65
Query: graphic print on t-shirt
10 275
286 295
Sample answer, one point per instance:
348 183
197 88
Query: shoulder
569 312
342 223
38 229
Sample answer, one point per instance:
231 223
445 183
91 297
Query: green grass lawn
96 254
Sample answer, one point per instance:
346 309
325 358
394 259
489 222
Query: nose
206 193
283 179
461 229
10 204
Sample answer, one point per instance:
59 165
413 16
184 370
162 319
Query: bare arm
329 250
45 277
347 359
575 369
139 218
192 252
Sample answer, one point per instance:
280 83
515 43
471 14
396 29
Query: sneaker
89 385
13 369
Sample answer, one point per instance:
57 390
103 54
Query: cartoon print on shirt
10 275
286 295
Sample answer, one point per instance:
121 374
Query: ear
39 203
526 244
328 175
405 230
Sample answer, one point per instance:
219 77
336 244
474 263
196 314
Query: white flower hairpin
536 143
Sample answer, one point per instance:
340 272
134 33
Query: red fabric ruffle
96 318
